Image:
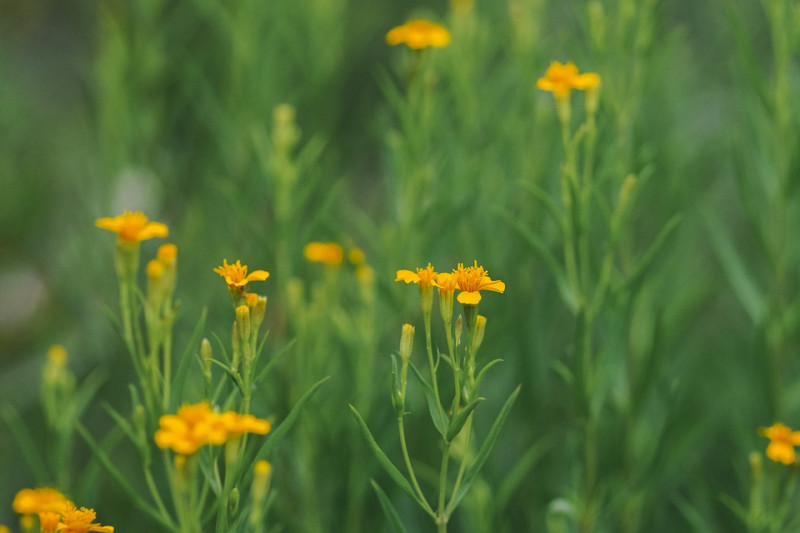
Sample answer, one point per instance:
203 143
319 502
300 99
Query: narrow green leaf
741 281
231 374
388 508
546 201
385 462
223 352
483 370
644 262
87 390
122 481
485 449
27 444
275 360
521 471
439 417
182 372
123 424
460 419
277 434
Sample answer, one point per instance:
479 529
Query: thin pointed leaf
237 380
121 480
385 462
26 443
123 424
644 262
521 471
460 419
182 372
488 365
547 201
440 420
87 390
485 449
222 351
388 508
275 360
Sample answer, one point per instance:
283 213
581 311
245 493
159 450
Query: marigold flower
782 443
560 79
35 501
327 253
423 276
80 521
48 522
133 226
197 425
472 280
167 254
419 34
236 275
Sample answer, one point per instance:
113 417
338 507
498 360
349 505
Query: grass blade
388 508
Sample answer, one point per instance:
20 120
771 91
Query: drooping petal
407 276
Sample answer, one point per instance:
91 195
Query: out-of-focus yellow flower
423 276
80 521
419 34
48 522
782 443
155 269
327 253
561 78
133 226
57 355
35 501
167 254
4 529
197 425
365 274
472 280
236 275
356 256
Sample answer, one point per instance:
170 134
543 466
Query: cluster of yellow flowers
470 281
332 254
782 443
56 512
197 425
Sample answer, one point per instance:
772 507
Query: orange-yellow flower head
48 522
197 425
35 501
423 276
782 443
472 280
80 521
133 227
327 253
419 34
560 79
236 275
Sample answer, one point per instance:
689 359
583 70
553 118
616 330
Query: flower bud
243 321
480 329
406 342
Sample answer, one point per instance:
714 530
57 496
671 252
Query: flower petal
408 276
469 297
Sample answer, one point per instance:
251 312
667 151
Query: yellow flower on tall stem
237 278
472 280
425 278
80 521
327 253
419 34
42 500
561 78
133 227
782 443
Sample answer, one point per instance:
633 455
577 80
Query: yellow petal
407 276
469 298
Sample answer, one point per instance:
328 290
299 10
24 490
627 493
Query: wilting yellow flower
133 226
782 443
423 276
236 275
35 501
80 521
197 425
327 253
419 34
560 79
472 280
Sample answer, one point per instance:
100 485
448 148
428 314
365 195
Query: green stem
429 347
441 515
407 459
462 468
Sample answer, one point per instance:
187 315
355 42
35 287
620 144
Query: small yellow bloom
472 280
560 79
356 256
236 275
57 355
782 443
4 529
167 254
155 269
236 424
423 276
327 253
80 521
133 226
35 501
419 34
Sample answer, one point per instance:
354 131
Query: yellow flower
472 280
356 256
4 529
782 443
49 521
80 521
167 254
133 226
423 276
236 275
197 425
419 34
327 253
35 501
560 79
57 355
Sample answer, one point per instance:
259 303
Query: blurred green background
168 106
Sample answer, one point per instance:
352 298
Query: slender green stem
429 347
462 468
441 515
